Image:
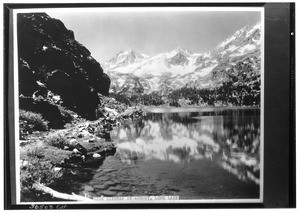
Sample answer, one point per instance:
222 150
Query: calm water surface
196 155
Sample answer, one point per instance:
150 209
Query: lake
196 155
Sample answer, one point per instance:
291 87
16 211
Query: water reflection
230 140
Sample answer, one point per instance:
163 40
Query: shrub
121 98
25 129
37 171
35 121
174 103
151 99
56 140
36 152
29 122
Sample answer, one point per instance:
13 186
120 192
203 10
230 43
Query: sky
105 33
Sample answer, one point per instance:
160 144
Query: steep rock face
178 59
27 80
51 55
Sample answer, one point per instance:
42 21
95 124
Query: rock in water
88 188
88 194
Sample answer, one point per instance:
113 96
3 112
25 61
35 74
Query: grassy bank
48 156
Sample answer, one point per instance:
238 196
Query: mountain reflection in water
230 140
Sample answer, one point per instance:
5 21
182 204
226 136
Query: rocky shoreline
82 146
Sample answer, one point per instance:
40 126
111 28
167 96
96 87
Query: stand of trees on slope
240 88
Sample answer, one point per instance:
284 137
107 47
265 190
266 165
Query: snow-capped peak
183 50
239 35
130 52
181 62
126 57
180 67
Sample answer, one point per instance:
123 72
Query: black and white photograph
148 105
130 105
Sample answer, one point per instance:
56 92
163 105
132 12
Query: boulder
81 149
96 155
88 188
72 142
49 111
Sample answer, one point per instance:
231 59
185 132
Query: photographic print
139 104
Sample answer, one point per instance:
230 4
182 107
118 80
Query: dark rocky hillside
53 64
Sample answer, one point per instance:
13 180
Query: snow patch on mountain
206 71
125 58
227 41
247 47
180 67
232 48
160 67
254 28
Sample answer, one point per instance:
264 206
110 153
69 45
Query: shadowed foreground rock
50 55
49 111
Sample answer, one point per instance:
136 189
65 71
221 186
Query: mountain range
132 72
